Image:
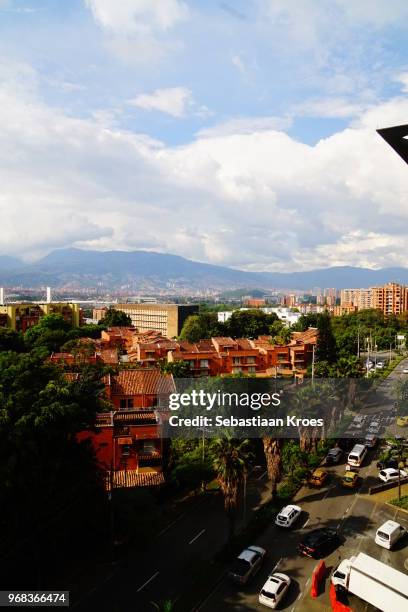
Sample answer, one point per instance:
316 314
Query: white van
389 533
356 456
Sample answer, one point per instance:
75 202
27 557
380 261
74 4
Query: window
236 360
126 403
204 363
251 359
252 369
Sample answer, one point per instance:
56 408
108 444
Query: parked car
402 421
334 455
287 516
350 480
317 542
391 474
318 477
374 427
389 533
274 590
405 370
389 463
370 440
247 564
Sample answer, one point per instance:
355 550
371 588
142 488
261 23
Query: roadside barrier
336 605
317 578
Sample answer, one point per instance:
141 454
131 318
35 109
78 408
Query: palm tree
231 457
273 455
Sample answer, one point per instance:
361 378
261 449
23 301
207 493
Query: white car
274 590
391 474
287 516
405 370
370 440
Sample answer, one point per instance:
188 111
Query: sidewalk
386 496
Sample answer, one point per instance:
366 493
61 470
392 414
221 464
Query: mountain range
76 268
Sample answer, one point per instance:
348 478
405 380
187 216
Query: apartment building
260 357
168 319
391 298
20 317
128 439
360 298
128 447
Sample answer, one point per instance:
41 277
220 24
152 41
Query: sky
234 132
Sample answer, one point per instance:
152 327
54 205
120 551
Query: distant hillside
8 264
141 269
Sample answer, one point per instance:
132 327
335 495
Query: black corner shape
397 138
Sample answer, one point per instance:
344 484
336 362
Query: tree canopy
115 318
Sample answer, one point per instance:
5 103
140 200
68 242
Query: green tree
231 458
50 332
249 323
115 318
11 340
201 326
178 368
51 493
326 343
273 455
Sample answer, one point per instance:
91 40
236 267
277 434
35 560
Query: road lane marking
306 523
262 475
277 565
307 582
163 531
197 536
147 582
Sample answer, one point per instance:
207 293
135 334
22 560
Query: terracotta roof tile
140 382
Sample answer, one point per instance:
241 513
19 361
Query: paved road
171 564
357 518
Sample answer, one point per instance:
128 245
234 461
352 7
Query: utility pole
313 362
358 341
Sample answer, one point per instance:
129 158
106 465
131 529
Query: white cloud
247 196
136 29
174 101
128 16
330 107
245 125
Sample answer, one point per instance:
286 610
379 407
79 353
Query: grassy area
402 503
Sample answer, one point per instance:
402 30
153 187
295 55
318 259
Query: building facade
168 319
20 317
391 298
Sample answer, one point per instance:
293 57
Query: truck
375 582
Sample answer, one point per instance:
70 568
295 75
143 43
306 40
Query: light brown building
391 298
22 316
168 319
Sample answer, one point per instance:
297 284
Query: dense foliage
52 497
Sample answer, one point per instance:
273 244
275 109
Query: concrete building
168 319
391 298
24 315
360 298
